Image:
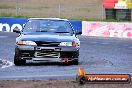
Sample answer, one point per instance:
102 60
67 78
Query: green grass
83 19
7 7
7 15
106 20
13 15
101 20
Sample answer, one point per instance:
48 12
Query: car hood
48 37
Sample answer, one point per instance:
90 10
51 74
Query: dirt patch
56 84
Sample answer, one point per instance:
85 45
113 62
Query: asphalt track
98 55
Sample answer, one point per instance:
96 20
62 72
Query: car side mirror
78 32
16 30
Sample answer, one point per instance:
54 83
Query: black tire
18 61
75 62
81 80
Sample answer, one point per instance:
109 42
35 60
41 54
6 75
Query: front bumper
47 53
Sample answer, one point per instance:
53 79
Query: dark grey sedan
48 40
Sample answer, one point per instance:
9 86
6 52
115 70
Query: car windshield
55 26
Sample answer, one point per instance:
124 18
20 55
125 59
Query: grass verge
80 18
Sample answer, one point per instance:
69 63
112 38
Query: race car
48 40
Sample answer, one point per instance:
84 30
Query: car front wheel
75 62
18 61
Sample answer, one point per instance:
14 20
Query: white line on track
105 43
93 42
130 47
3 36
6 64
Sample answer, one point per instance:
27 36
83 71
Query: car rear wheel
18 61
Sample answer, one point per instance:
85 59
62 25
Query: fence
53 8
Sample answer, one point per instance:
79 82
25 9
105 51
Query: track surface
97 55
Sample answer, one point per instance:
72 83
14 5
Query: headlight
68 44
26 43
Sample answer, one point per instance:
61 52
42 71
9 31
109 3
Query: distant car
48 40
